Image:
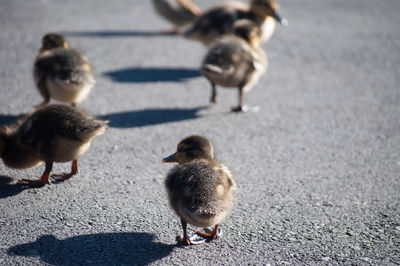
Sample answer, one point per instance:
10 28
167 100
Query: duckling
200 190
236 61
219 20
178 12
62 73
54 133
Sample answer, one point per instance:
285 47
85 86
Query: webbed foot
210 234
63 177
193 240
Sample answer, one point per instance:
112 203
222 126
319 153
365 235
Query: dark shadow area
7 189
152 74
96 249
148 117
9 119
116 33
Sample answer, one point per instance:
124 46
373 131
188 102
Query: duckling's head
267 8
53 41
191 148
248 31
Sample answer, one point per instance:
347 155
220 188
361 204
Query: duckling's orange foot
32 183
207 233
63 177
245 108
193 240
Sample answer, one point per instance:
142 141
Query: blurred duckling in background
219 20
54 133
178 12
236 61
62 73
200 190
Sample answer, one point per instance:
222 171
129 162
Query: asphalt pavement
317 167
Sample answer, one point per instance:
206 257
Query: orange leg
208 233
44 179
184 239
65 176
193 240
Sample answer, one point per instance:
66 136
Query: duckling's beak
170 159
280 19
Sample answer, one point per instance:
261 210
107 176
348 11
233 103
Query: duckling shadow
152 74
9 119
96 249
116 33
7 189
148 117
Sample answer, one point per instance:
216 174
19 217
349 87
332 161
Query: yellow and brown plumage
62 73
54 133
236 60
219 20
200 190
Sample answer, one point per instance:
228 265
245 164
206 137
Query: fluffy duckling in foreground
219 20
54 133
62 73
236 61
200 190
178 12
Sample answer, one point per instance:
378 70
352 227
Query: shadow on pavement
148 117
9 119
116 33
152 74
96 249
7 189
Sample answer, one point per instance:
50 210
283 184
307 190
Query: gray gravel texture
317 167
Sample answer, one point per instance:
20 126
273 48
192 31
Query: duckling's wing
66 65
48 123
226 182
260 60
227 55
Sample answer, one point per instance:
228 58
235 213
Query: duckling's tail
101 127
95 128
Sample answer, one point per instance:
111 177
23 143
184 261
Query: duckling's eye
181 149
